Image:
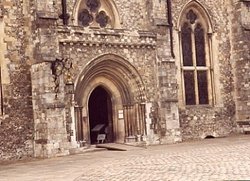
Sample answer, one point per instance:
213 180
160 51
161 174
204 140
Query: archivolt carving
123 75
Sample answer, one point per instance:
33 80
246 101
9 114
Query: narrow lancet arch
196 57
123 89
197 8
117 70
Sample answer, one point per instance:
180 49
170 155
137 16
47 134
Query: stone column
168 127
241 58
50 137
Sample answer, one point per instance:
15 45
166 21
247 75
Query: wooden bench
245 125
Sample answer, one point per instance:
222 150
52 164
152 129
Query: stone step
85 150
119 146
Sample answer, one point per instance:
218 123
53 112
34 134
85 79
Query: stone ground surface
212 159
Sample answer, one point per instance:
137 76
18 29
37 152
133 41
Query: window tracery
93 14
85 17
102 19
191 16
93 5
195 64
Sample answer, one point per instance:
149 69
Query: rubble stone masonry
241 58
37 109
17 126
217 119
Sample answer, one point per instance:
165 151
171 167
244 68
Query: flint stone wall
219 119
241 58
16 121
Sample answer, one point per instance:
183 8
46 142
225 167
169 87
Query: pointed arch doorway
123 108
100 115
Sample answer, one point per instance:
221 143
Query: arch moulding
115 74
202 11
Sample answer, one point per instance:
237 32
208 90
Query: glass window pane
186 42
202 87
189 87
200 46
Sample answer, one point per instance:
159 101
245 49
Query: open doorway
100 115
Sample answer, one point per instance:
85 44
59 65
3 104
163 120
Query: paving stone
215 159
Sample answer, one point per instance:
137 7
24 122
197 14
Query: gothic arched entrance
100 115
113 83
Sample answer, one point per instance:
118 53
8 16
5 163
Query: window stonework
186 45
195 59
95 13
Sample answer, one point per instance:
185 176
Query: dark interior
100 115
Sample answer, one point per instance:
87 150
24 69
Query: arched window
97 13
195 51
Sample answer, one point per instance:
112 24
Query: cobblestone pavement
213 159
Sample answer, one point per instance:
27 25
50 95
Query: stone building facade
138 72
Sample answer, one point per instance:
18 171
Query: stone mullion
181 69
212 96
195 67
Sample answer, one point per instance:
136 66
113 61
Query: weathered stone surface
42 58
241 59
17 126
